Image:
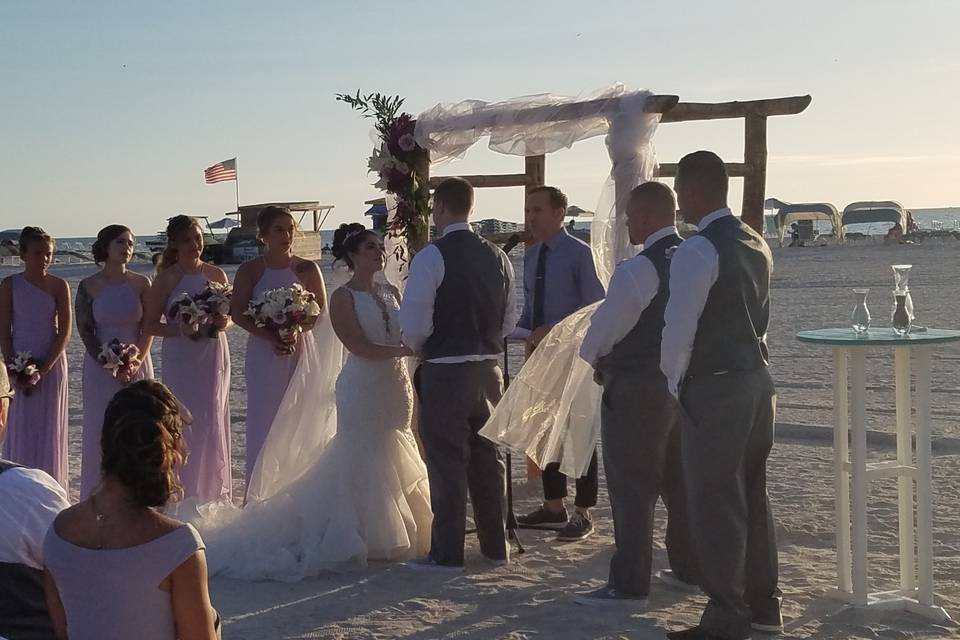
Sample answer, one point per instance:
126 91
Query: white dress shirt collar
660 235
457 226
712 217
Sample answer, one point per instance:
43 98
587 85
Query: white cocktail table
852 472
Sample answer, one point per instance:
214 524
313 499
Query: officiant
559 278
639 431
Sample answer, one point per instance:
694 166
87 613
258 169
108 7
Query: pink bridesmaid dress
267 374
198 373
37 425
117 313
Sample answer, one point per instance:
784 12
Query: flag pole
237 183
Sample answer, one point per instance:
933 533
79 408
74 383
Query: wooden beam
495 180
551 113
755 180
686 111
669 169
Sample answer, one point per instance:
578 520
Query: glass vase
860 318
901 318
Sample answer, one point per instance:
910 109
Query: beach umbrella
574 211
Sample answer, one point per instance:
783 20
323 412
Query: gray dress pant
727 425
455 402
641 458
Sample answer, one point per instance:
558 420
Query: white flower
312 309
407 142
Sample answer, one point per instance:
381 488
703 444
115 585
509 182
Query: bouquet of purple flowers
200 309
24 371
119 358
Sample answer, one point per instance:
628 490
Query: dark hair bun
101 246
142 442
346 239
32 234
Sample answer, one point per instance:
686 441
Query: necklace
101 518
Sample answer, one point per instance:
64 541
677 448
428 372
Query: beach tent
877 211
790 213
225 223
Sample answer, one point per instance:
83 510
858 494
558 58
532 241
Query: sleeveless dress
267 374
114 594
365 498
198 373
37 424
117 313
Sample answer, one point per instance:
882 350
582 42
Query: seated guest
117 567
29 501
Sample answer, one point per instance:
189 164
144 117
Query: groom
458 306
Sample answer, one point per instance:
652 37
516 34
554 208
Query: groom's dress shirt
633 286
559 278
425 277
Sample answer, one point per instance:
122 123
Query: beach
532 598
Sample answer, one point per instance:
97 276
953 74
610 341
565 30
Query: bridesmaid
195 361
35 316
270 362
109 305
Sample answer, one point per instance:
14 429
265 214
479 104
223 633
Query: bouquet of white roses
215 299
198 309
119 357
286 311
24 371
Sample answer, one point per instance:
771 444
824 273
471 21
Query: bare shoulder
6 284
138 280
165 524
90 286
215 273
302 266
249 269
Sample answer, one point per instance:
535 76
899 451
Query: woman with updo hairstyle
196 360
109 306
116 567
271 361
35 318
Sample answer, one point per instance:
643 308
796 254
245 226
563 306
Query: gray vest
640 349
732 329
23 609
471 301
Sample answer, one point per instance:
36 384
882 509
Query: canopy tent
809 211
875 211
224 223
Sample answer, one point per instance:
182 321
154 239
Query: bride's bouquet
24 371
119 357
287 311
197 309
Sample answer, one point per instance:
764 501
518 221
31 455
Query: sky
109 112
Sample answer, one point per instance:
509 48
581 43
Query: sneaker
543 516
579 527
770 622
672 580
608 597
429 564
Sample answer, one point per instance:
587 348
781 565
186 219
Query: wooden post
755 180
535 167
417 238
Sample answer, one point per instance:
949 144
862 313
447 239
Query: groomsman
559 278
641 440
458 306
714 357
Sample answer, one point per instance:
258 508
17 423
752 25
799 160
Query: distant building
491 226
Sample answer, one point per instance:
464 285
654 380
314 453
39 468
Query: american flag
221 172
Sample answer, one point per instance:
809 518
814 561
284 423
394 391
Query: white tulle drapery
550 411
633 161
307 418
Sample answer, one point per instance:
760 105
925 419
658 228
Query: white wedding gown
365 497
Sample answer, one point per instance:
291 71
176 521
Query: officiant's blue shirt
570 279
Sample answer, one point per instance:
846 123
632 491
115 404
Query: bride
364 496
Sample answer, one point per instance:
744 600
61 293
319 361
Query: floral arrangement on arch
400 164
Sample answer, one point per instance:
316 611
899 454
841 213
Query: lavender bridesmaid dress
117 313
37 426
198 373
267 374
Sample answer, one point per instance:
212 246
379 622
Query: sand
532 598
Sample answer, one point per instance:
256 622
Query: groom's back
471 301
